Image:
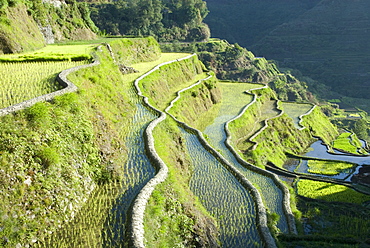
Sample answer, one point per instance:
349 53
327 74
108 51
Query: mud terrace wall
137 219
286 199
261 211
62 80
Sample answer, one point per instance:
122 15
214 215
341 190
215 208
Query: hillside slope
329 43
326 40
18 31
246 22
28 25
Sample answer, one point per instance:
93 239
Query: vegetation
19 32
348 142
134 50
173 207
279 137
320 126
165 20
324 40
233 62
251 20
330 192
37 180
95 125
20 21
332 224
25 81
361 128
61 52
199 104
294 111
328 167
67 163
160 86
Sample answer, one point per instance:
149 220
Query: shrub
38 114
48 156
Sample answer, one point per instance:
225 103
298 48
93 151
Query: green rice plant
348 142
161 85
53 53
328 167
253 118
24 81
200 104
330 192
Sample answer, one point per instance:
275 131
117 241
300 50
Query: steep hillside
325 40
67 164
329 43
18 31
28 25
245 22
74 142
233 62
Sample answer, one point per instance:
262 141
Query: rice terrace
168 155
206 162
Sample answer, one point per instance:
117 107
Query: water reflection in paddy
233 101
319 150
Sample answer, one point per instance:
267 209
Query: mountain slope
325 40
329 43
28 25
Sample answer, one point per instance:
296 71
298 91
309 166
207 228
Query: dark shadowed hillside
326 40
247 21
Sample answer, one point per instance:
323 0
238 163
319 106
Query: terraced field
103 222
110 230
272 196
224 197
295 110
23 81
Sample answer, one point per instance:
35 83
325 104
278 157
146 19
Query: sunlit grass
53 52
330 192
24 81
348 142
146 66
328 167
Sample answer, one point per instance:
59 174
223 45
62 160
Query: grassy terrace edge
286 194
144 195
261 213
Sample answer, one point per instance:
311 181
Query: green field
328 167
330 192
74 52
23 81
348 142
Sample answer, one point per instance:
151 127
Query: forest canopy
165 20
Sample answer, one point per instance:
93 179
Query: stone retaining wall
301 118
62 80
286 194
138 211
260 211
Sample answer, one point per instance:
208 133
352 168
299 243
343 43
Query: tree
361 129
